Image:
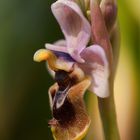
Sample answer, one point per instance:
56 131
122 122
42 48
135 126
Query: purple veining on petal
65 56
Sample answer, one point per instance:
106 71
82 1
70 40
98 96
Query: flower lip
61 106
64 114
71 120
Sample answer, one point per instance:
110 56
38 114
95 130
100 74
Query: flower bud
109 11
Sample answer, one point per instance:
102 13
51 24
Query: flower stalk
108 116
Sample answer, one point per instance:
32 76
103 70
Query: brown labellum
70 120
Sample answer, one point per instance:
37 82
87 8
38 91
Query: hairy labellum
70 120
65 114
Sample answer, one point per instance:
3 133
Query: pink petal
74 25
56 47
97 67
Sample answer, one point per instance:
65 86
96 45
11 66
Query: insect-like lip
70 120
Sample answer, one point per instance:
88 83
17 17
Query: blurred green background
26 26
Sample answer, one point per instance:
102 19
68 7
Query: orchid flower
75 50
76 66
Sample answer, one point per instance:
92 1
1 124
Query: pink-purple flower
76 49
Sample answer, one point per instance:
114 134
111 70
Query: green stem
108 116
